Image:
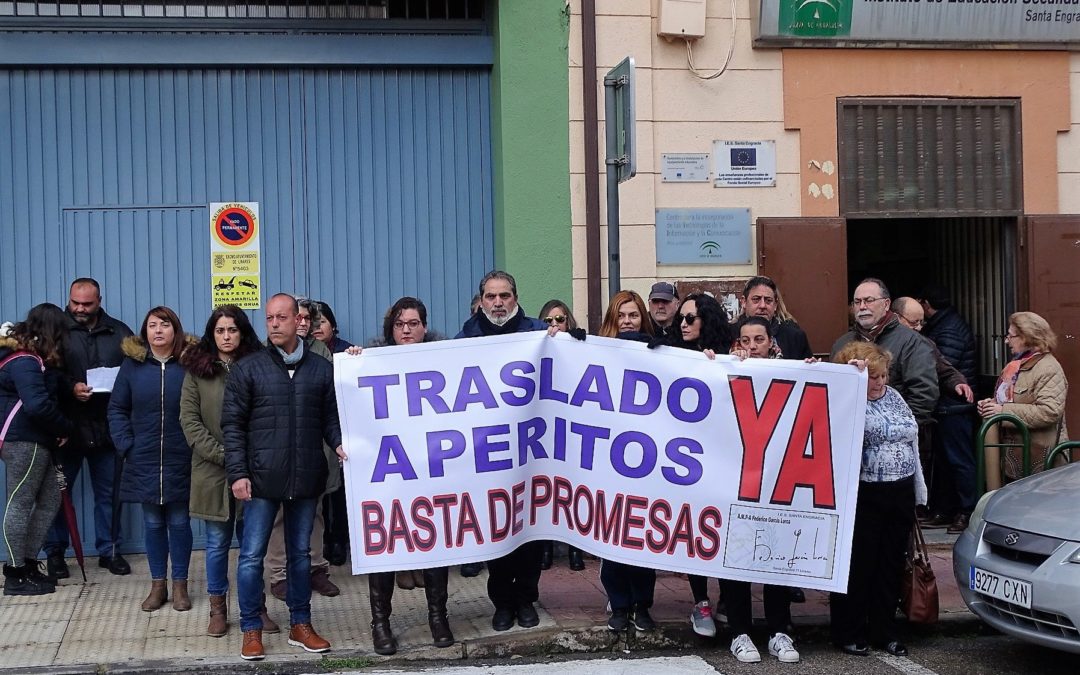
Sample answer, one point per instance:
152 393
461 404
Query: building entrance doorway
973 258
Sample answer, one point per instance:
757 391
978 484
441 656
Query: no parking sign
235 276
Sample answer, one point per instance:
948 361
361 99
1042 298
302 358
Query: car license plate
1001 587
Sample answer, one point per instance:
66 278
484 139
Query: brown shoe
303 635
959 524
219 617
936 522
267 623
180 600
252 650
158 596
321 584
278 589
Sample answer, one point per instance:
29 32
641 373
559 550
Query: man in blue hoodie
513 579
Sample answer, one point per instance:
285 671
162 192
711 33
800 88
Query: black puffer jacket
39 420
953 337
99 347
274 426
791 339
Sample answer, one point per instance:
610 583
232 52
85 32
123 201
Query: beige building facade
811 231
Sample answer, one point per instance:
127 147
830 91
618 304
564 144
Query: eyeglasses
412 325
860 302
690 319
1009 336
916 324
552 320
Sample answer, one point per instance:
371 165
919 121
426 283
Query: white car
1018 562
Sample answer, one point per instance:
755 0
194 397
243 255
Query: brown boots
180 600
268 625
219 616
158 596
410 579
381 593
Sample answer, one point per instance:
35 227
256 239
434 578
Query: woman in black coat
144 421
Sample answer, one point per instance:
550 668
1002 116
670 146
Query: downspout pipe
589 86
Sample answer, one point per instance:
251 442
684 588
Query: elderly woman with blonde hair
1033 387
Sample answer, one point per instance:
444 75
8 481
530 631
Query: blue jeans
218 542
299 515
167 530
102 465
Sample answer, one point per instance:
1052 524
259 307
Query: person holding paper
33 428
92 340
144 420
890 484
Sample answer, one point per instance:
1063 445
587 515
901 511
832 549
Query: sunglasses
552 320
690 319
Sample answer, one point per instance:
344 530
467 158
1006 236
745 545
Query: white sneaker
782 647
702 621
744 650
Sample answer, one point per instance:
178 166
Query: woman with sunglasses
556 314
626 313
703 326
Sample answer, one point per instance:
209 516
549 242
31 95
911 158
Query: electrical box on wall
682 19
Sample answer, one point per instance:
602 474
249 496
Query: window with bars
935 157
410 10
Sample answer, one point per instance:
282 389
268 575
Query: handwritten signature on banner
463 450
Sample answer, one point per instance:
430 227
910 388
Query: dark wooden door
807 258
1051 253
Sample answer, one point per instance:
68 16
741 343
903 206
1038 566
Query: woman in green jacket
228 337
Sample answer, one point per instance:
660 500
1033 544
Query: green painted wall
531 147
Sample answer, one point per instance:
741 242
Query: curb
541 641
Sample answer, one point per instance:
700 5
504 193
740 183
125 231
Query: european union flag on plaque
744 157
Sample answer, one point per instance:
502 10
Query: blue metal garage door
372 184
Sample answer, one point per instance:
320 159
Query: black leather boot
546 554
435 589
381 593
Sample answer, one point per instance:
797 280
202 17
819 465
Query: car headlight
977 515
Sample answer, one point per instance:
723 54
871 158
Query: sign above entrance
976 23
235 274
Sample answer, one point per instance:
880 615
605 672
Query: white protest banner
462 450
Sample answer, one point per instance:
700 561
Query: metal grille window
429 10
933 157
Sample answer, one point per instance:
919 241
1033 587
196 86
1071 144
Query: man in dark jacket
513 579
952 499
761 298
93 341
279 408
912 372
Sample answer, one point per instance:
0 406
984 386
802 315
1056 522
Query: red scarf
872 333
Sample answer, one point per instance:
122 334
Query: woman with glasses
626 313
406 323
556 314
1033 387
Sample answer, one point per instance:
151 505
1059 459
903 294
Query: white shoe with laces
702 620
782 647
744 650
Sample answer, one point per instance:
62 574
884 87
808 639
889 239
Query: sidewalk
98 625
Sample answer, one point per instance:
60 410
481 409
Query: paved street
98 627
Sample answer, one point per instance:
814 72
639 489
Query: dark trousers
699 587
740 606
514 578
953 478
627 586
103 467
336 517
883 520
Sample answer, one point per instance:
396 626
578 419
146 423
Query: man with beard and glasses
513 579
93 341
